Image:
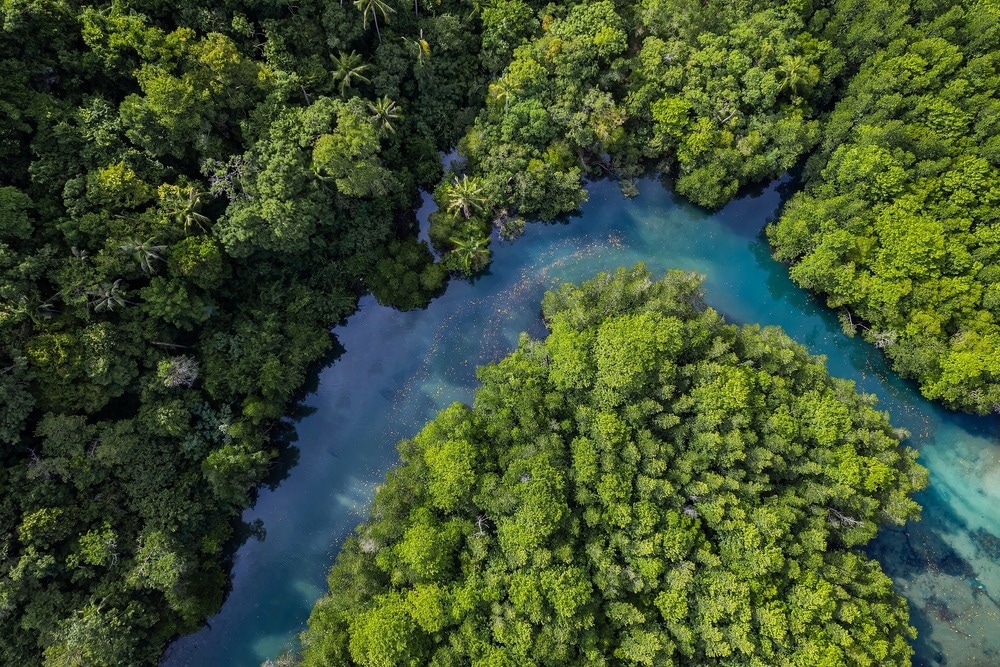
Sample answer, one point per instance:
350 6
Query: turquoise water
399 368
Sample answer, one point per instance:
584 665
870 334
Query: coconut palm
472 252
374 7
145 252
384 113
107 296
184 207
348 68
794 72
466 196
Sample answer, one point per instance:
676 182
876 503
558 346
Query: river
398 369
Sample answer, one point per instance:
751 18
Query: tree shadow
927 652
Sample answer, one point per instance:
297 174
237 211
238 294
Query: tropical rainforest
648 485
191 195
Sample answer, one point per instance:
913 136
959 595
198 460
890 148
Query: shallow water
400 368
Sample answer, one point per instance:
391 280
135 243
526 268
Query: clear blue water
400 368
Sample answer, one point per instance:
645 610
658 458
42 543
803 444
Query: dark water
399 368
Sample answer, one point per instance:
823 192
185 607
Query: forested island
646 486
192 195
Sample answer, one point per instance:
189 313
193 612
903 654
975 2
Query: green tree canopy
646 486
897 225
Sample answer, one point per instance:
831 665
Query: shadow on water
987 544
927 652
919 545
919 551
921 548
283 434
249 530
905 553
987 427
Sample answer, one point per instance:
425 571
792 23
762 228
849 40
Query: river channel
399 368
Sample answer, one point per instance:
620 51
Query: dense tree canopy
714 95
899 225
192 194
646 486
190 197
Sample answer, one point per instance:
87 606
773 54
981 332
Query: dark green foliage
190 197
408 276
898 224
647 486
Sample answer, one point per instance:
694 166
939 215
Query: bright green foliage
647 486
464 196
898 225
713 94
735 104
470 254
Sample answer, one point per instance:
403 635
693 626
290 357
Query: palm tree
349 69
384 112
184 206
466 196
35 308
794 71
145 253
106 296
503 89
473 252
421 46
374 7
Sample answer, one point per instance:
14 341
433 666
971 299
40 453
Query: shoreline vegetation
191 196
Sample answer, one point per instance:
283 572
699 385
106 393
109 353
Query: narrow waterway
400 368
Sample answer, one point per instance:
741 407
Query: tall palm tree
107 296
374 7
473 252
421 46
348 68
503 89
466 196
184 206
794 72
384 112
145 252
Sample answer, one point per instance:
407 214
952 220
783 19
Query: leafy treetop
646 486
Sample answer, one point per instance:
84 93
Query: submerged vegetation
646 486
191 195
